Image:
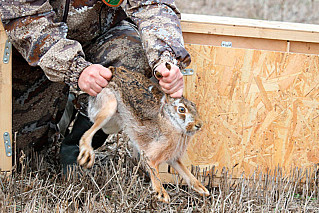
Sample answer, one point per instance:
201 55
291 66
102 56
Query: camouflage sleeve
41 41
160 30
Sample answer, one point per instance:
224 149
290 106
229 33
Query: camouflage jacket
36 29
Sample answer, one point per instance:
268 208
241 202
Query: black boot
70 145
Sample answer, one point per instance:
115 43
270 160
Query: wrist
76 68
166 57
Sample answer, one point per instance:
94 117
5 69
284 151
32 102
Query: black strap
66 10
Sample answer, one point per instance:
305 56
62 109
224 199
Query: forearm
42 42
159 26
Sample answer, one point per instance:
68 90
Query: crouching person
70 45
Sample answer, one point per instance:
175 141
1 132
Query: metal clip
7 51
187 71
227 44
7 144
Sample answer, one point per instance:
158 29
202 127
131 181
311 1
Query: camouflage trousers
39 103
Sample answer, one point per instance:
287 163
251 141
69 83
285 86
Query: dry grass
118 183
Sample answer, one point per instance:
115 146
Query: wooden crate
5 104
259 99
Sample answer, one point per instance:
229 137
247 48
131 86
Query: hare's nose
199 124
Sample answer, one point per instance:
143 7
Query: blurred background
300 11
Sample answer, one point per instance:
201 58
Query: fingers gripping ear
112 69
158 74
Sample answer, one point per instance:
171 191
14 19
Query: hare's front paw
86 156
198 187
162 195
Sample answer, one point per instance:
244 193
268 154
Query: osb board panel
5 103
260 109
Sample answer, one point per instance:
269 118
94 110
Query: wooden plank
260 109
252 43
240 42
304 47
250 28
5 103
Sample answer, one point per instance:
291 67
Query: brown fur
151 121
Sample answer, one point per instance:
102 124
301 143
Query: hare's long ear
167 99
163 102
112 69
164 99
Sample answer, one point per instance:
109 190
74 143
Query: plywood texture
5 103
260 109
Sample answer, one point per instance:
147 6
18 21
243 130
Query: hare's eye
181 109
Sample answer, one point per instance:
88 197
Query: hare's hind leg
86 156
162 194
189 177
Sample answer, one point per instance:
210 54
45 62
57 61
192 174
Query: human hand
94 78
170 79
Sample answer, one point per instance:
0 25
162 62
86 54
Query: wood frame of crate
5 105
251 33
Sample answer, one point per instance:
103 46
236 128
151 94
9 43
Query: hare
158 125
